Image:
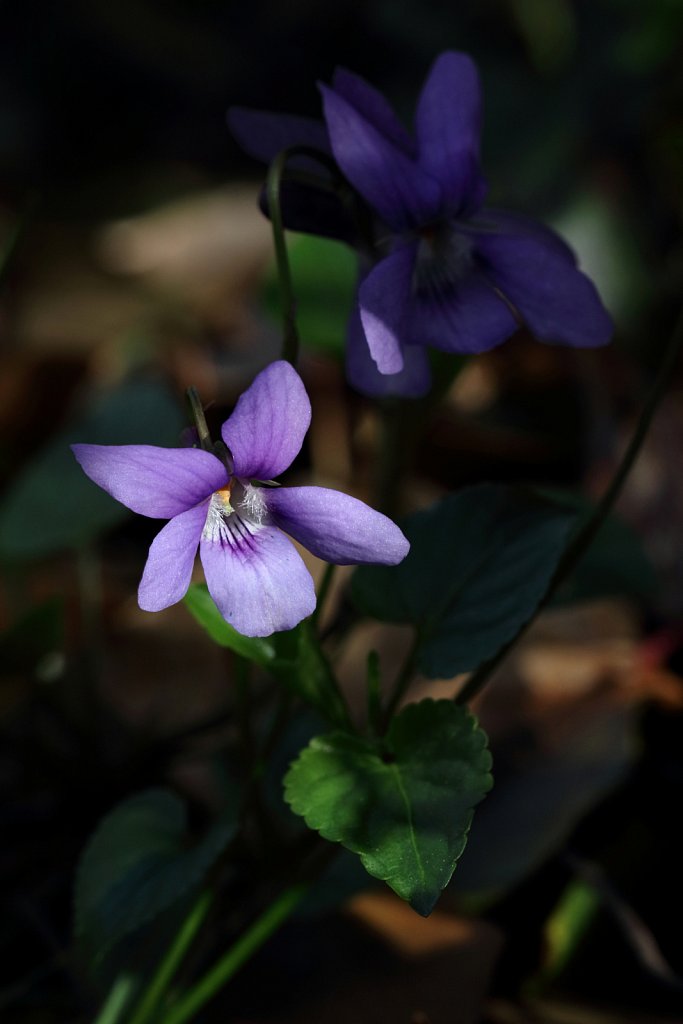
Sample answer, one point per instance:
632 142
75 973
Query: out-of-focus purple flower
254 573
446 271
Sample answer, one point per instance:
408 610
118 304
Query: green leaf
404 806
479 563
324 274
53 505
201 605
137 864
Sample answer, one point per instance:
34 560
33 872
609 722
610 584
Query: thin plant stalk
230 963
117 1001
165 973
577 547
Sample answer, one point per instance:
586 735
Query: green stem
576 548
199 418
402 682
290 338
391 462
323 591
230 963
117 1000
166 971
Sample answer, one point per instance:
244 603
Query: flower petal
268 426
467 317
558 303
263 135
155 482
492 220
384 301
171 557
413 381
448 123
259 582
337 527
371 104
399 190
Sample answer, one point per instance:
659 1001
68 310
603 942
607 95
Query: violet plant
437 270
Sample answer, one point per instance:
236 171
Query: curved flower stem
238 954
158 986
576 547
197 412
290 339
392 458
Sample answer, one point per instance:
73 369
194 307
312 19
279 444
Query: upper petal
466 317
156 482
168 570
267 428
448 123
258 580
337 527
263 135
384 300
370 103
413 381
558 302
401 192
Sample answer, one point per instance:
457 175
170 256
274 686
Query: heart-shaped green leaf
137 864
479 563
404 805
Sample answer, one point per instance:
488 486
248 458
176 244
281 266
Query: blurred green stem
117 1001
323 591
158 986
576 547
229 964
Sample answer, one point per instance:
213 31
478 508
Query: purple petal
413 381
337 527
263 135
448 123
468 317
399 190
268 426
372 105
384 300
155 482
171 557
504 222
558 303
258 580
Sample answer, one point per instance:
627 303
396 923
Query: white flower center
235 514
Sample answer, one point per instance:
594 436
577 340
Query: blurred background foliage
133 263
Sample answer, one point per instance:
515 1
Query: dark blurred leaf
614 565
479 563
36 634
406 806
53 505
543 789
137 864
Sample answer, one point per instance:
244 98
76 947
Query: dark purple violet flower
446 272
253 572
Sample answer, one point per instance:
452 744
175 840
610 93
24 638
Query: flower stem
197 412
238 954
117 1000
323 591
576 547
165 973
290 338
402 682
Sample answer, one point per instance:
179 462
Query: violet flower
446 272
254 573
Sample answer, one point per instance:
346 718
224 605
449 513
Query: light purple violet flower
446 272
254 573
